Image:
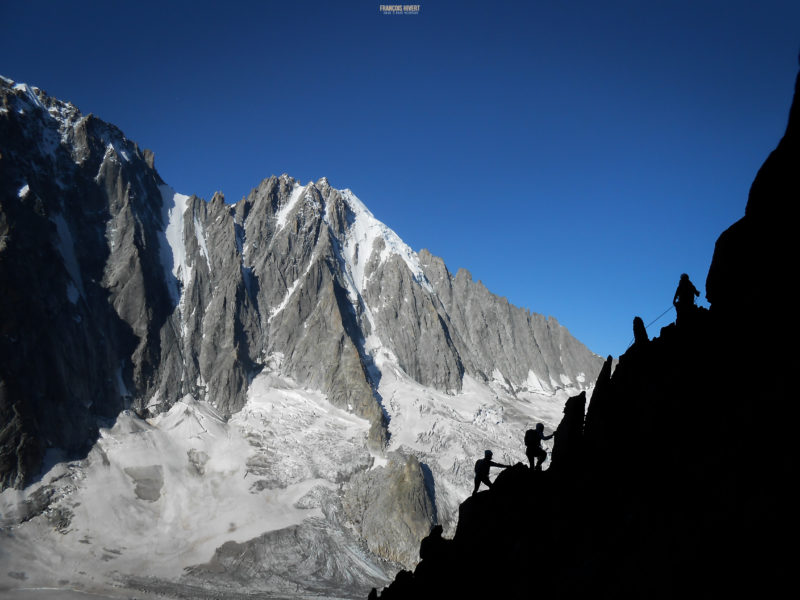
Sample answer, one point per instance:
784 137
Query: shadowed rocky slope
678 480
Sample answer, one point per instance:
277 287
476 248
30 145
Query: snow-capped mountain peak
287 354
366 235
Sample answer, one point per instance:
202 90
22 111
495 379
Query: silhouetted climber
639 332
684 297
533 446
482 467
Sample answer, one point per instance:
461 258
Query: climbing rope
671 307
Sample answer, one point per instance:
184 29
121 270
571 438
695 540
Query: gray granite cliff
119 292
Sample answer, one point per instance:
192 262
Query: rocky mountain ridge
158 294
190 386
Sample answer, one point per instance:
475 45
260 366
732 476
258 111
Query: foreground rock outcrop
391 508
674 483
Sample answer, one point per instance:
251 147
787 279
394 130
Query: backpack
478 465
530 438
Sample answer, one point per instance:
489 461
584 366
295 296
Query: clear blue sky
574 156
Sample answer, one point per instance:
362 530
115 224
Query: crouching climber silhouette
533 446
482 467
684 298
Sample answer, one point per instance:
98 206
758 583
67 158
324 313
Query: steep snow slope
154 499
362 235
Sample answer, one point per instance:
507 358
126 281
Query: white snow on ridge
62 119
118 149
361 239
66 247
291 290
284 211
498 377
23 191
173 251
200 236
534 384
30 92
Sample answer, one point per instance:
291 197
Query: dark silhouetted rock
748 269
568 446
600 416
673 487
639 331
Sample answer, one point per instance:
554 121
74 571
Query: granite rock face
391 508
531 352
79 318
119 293
318 556
134 312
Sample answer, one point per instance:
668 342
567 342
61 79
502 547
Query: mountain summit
129 307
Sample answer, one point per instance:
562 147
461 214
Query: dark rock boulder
391 508
568 450
748 269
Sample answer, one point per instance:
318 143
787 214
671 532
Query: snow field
176 487
449 432
361 237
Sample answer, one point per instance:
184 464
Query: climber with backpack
482 466
684 299
533 446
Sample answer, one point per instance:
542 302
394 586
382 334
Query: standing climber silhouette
482 467
684 298
533 446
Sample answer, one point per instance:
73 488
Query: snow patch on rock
200 236
172 248
362 234
287 208
66 247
